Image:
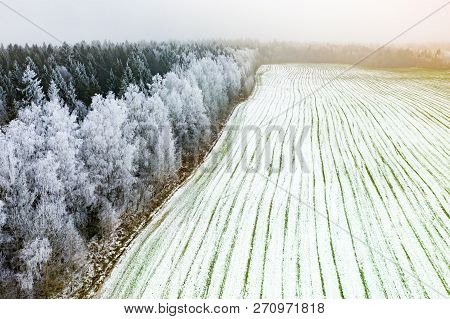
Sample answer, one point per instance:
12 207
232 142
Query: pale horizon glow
343 21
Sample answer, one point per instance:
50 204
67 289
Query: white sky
366 21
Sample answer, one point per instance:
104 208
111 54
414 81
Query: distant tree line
92 130
363 55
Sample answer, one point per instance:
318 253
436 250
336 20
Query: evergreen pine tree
32 91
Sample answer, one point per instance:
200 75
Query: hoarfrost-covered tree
187 111
17 178
59 133
208 76
8 285
109 158
140 68
2 216
3 237
53 92
246 59
62 79
34 184
127 79
231 74
112 82
33 256
32 90
3 112
151 133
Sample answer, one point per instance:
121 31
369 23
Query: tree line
362 55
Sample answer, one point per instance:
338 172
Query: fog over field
365 21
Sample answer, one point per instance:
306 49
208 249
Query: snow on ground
365 216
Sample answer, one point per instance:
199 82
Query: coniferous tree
112 82
32 90
127 79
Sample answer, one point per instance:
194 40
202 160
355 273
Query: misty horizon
347 22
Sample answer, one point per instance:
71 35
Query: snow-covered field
365 215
